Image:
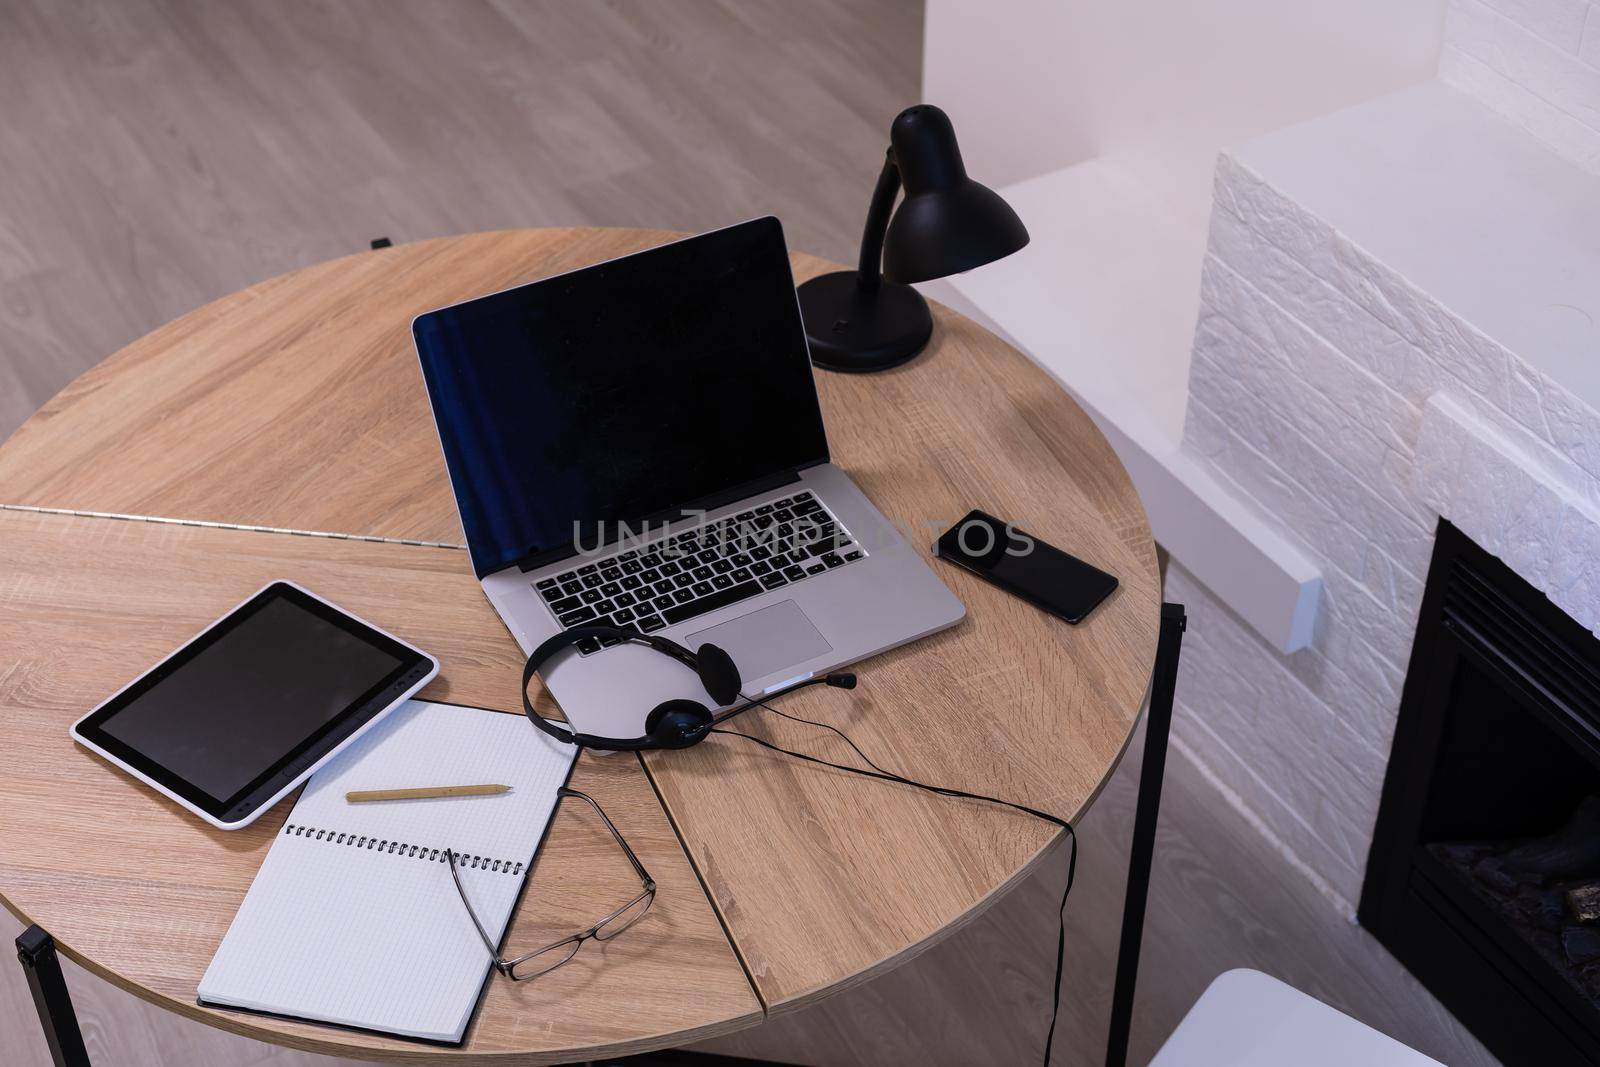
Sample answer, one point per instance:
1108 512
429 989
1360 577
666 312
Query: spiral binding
401 848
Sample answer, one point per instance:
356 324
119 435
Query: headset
672 723
681 723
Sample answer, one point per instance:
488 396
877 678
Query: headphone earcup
673 723
718 674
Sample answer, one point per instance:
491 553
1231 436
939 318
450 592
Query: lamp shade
947 222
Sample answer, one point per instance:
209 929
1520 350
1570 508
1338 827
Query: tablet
245 711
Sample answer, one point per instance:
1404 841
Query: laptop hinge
656 523
727 496
550 555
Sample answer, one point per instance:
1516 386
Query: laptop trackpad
765 641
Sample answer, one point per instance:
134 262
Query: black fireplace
1484 876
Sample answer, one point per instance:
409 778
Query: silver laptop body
799 575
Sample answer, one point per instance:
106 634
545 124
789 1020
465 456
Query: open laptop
639 444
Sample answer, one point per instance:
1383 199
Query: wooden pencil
364 796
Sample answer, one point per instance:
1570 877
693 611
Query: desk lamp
864 320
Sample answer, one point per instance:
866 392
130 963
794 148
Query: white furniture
1100 123
1249 1019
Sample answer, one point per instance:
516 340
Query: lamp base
858 331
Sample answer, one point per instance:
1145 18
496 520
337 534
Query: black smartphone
1023 565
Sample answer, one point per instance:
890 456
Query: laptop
639 444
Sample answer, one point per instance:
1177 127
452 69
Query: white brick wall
1537 62
1356 410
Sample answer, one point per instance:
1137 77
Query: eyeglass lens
625 918
546 960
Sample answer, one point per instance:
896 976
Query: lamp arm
870 273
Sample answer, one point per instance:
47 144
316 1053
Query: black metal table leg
37 951
1152 770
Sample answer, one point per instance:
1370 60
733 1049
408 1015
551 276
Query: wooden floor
162 154
1220 898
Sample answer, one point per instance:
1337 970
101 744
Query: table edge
245 1024
878 968
248 1026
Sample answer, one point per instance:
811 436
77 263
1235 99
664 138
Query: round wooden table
295 407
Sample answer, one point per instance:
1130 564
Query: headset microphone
672 723
843 680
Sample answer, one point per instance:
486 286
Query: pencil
363 796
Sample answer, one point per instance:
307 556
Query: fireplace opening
1484 875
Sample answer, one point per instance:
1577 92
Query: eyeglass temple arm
472 913
627 850
500 962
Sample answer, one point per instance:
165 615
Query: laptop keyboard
673 579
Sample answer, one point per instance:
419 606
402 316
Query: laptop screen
620 391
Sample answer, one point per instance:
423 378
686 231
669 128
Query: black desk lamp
863 321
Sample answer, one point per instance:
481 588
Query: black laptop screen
620 391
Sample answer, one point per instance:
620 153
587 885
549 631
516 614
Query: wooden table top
296 405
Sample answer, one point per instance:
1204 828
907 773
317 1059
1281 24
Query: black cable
827 726
889 776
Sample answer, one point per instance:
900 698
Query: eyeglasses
544 960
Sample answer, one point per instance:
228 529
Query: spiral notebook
353 918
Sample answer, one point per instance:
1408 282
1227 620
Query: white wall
1351 391
1536 62
1316 401
1100 121
1037 85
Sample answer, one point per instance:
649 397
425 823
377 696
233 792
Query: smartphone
1025 566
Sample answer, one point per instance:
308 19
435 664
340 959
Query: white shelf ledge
1104 298
1467 208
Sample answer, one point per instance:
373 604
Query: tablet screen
247 697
